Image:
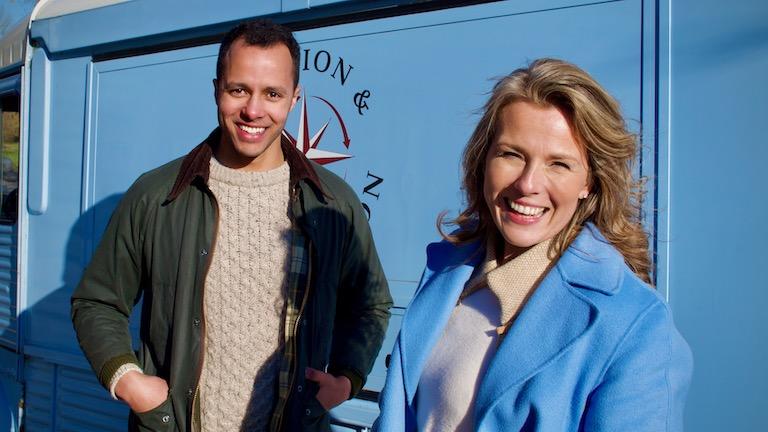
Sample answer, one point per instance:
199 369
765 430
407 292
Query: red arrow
341 122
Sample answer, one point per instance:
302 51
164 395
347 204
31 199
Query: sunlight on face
535 173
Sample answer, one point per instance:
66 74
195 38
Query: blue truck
95 92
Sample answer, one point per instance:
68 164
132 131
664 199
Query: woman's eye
563 165
510 154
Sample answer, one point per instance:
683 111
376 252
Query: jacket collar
196 165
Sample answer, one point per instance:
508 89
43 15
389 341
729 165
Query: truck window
9 162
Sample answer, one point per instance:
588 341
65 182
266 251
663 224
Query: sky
12 11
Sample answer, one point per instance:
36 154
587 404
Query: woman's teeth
525 210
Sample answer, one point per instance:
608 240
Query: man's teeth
252 130
528 211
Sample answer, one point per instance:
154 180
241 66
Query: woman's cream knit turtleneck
487 308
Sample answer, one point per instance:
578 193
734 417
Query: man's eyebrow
276 89
235 84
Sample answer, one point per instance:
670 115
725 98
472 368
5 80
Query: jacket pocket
315 417
160 419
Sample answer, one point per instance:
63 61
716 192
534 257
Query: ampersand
360 101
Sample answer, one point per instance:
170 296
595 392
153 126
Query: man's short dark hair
262 33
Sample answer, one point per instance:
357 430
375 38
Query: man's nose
254 108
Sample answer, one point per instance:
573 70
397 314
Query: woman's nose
531 180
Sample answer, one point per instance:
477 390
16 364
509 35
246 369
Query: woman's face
535 174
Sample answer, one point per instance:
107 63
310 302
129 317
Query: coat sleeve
362 313
645 384
109 289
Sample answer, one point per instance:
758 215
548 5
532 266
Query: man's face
254 96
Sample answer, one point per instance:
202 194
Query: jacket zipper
292 376
198 426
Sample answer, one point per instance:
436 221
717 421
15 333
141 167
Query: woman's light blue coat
594 349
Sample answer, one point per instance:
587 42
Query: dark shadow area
46 325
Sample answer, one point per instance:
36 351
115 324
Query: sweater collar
197 164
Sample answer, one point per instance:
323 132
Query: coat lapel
448 269
555 317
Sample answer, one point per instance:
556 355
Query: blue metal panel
39 133
140 18
138 23
718 106
39 396
171 111
55 252
61 398
84 406
10 390
424 85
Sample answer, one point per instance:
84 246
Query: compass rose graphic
308 145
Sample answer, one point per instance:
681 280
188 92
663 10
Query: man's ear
296 95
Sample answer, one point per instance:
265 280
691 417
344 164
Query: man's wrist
120 373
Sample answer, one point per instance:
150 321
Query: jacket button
203 252
166 418
299 389
196 322
308 412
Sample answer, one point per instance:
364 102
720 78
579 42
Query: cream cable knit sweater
244 298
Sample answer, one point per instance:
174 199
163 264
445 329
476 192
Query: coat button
203 252
299 389
189 392
308 412
166 418
196 322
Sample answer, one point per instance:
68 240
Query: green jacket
158 246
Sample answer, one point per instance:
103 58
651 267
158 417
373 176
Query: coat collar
448 269
557 315
591 262
196 164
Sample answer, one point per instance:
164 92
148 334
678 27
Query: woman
536 314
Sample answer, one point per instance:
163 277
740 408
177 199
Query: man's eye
237 92
273 95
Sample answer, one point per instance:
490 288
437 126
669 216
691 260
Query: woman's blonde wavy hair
614 198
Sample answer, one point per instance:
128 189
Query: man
264 302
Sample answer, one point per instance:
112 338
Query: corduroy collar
196 164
